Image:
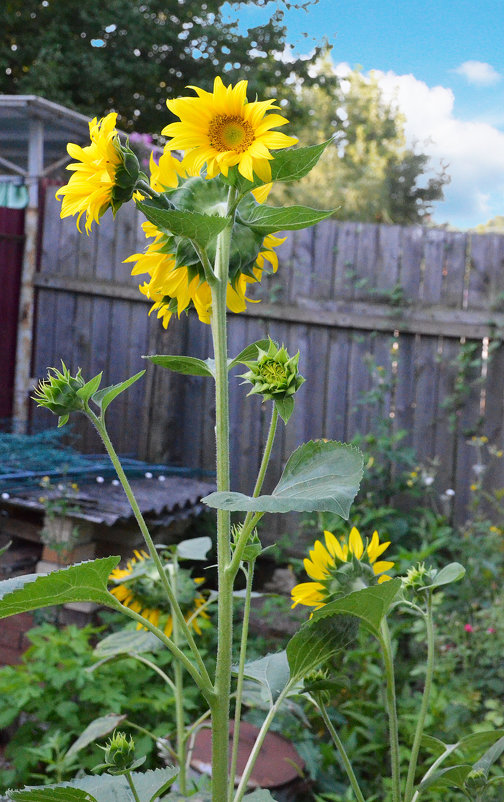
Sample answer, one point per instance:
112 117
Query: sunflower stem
241 671
341 749
143 186
386 646
132 786
251 519
179 695
99 425
429 622
220 701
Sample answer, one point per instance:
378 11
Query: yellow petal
355 543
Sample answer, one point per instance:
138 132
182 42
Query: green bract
274 374
60 391
126 176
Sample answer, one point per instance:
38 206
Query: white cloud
479 73
472 149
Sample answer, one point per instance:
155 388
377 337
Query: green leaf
369 605
5 548
490 756
315 644
269 219
127 641
450 573
289 164
285 407
272 672
90 387
200 228
322 476
62 420
249 353
51 793
188 365
259 795
85 581
196 548
105 788
97 729
447 778
104 397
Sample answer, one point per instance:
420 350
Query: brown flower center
230 133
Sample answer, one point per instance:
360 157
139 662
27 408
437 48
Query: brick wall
20 558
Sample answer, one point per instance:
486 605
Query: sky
442 62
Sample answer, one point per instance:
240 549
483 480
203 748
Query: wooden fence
411 300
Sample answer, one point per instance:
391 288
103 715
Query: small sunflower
222 129
90 188
340 568
175 288
139 587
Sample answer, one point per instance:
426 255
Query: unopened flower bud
475 781
59 392
274 374
120 751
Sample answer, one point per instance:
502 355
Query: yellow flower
222 129
89 189
340 568
175 288
164 175
139 587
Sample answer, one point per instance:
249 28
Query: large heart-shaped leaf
200 228
322 476
314 645
127 641
369 605
86 581
270 219
104 788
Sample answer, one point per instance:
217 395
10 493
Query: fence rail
409 299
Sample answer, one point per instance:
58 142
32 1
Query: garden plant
212 236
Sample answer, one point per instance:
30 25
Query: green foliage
54 691
368 172
318 476
136 55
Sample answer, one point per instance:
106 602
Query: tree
368 172
129 56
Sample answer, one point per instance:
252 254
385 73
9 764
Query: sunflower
222 129
339 568
175 288
90 188
139 587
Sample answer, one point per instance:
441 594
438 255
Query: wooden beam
431 320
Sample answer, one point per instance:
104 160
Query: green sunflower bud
318 685
416 577
475 781
60 392
126 175
274 374
120 751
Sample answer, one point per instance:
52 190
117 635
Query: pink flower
491 630
468 628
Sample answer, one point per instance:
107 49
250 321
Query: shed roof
21 115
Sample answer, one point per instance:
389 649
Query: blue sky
443 62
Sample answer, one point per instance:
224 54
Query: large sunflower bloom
90 188
176 288
222 129
341 567
139 589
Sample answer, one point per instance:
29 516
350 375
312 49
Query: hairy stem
386 645
425 702
342 751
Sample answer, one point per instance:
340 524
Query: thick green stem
241 669
220 702
391 709
132 786
179 698
342 751
143 186
102 431
429 621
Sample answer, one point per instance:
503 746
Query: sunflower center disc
230 133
